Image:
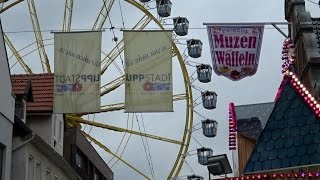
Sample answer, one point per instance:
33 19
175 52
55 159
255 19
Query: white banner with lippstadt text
77 67
148 68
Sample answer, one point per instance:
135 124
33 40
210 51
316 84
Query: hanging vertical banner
77 62
148 68
235 49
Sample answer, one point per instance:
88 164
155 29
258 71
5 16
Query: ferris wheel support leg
37 33
25 67
67 16
113 154
103 14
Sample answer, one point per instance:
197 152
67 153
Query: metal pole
249 23
274 24
281 32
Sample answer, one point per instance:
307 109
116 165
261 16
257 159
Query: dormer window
24 111
21 109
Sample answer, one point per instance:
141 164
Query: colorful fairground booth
287 145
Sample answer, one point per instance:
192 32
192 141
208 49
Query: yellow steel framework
15 52
116 51
112 85
38 36
120 106
106 62
103 14
118 129
115 155
189 100
67 16
10 5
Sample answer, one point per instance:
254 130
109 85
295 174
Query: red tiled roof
42 90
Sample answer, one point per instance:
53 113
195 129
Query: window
30 168
38 170
48 174
60 132
1 161
97 175
54 119
24 110
79 160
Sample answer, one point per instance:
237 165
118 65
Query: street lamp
219 165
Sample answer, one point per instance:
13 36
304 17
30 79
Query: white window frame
38 170
48 174
30 169
54 122
60 128
24 106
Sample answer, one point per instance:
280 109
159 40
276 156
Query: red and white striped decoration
300 175
288 57
232 128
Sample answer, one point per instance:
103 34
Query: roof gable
261 111
42 90
290 138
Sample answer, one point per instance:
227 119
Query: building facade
306 36
71 155
38 133
34 159
83 158
38 115
6 112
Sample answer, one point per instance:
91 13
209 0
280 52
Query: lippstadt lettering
148 77
77 78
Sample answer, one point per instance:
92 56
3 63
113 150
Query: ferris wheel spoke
10 5
67 16
112 85
114 154
189 113
103 14
116 51
120 106
38 36
112 107
15 52
119 129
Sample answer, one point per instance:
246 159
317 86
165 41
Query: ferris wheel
115 133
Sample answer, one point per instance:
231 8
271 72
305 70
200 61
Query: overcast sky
256 89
